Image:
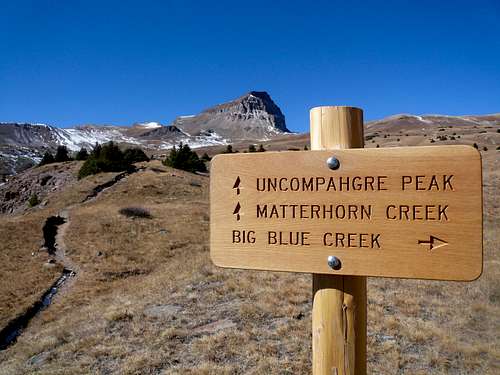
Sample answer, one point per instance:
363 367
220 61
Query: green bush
134 155
186 159
62 154
252 148
105 158
261 149
82 154
33 201
48 158
228 150
88 168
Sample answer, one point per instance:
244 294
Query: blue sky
119 62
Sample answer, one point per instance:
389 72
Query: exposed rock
39 359
252 116
16 192
170 131
162 311
215 326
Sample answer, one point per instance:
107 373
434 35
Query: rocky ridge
253 116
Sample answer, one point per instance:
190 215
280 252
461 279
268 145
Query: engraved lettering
243 236
447 182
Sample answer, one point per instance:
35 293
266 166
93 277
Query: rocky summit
253 116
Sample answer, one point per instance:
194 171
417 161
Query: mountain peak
251 116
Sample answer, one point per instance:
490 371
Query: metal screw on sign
333 163
334 262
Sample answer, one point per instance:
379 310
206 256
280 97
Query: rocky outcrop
39 182
254 116
162 132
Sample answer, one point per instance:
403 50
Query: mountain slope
410 122
253 116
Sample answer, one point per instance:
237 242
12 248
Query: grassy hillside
147 300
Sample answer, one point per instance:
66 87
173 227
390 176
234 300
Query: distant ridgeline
253 117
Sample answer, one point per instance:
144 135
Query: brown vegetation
147 298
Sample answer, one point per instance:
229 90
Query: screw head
334 262
333 163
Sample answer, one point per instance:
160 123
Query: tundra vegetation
147 299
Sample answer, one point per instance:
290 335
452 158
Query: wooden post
339 302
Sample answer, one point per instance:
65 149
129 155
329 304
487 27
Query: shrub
475 146
96 151
82 154
306 148
261 149
135 212
33 201
106 158
186 159
228 150
134 155
62 154
88 168
48 158
205 157
252 148
485 148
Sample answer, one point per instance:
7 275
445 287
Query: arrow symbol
237 185
237 211
433 242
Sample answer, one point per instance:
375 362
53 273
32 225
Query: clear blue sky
118 62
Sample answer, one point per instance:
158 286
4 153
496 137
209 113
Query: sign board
410 212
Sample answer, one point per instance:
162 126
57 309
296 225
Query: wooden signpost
344 213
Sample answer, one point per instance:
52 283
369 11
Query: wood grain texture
336 128
339 302
399 255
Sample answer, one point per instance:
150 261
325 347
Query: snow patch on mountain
150 125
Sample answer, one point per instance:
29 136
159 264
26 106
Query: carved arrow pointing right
433 242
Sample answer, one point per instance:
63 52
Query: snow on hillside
150 125
205 140
76 138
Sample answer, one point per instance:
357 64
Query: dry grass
147 299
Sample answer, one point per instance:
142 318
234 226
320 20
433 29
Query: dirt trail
54 232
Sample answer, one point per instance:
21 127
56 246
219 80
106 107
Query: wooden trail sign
411 212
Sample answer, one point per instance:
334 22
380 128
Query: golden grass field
147 299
